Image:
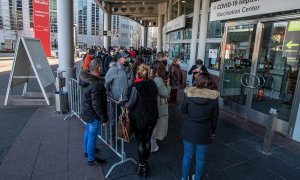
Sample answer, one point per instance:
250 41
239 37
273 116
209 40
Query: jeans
90 138
189 150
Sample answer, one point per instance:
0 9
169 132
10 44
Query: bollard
267 146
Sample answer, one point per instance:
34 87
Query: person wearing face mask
118 81
119 78
110 58
197 69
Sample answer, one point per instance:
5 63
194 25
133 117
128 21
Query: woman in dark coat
175 80
201 109
143 113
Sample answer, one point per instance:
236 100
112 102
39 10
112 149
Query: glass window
31 13
212 59
180 50
53 16
16 15
186 7
215 29
82 17
183 34
174 11
1 19
1 22
278 68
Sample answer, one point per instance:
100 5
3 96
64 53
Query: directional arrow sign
291 44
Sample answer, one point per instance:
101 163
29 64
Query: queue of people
147 92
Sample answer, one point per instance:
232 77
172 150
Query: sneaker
155 149
93 163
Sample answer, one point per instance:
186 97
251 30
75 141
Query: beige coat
161 128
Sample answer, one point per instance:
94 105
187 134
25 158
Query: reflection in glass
278 66
212 59
238 59
181 51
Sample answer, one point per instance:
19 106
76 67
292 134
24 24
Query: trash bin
61 102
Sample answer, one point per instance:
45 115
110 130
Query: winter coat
201 109
94 100
160 130
118 81
132 53
142 104
86 62
175 76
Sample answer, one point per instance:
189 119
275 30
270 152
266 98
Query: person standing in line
197 69
136 64
176 81
94 108
201 112
88 58
118 81
162 82
110 58
132 53
143 113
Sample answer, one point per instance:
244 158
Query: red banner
41 11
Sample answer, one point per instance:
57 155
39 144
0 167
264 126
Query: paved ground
36 143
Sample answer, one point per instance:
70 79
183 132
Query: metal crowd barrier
108 134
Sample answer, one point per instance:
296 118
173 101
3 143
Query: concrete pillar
194 36
159 33
146 24
65 38
107 27
203 29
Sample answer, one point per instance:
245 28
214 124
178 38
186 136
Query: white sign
212 53
231 9
177 23
30 56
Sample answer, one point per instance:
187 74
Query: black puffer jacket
201 109
94 102
142 104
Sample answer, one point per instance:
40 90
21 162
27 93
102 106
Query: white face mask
112 53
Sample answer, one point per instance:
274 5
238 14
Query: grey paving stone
231 173
273 163
64 175
255 171
250 147
287 156
293 175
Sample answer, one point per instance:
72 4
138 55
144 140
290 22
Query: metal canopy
138 10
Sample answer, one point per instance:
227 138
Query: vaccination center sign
231 9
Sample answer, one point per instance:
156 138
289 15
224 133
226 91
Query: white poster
212 53
231 9
175 24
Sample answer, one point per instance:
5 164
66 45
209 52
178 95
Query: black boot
142 170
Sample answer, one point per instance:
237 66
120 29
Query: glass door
277 69
237 61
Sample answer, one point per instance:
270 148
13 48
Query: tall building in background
16 19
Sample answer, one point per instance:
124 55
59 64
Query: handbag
125 126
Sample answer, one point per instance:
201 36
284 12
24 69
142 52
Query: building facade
16 19
252 49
